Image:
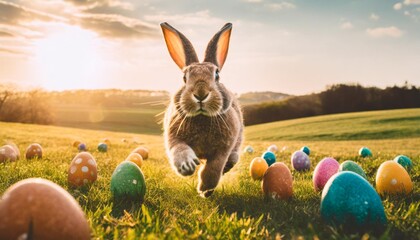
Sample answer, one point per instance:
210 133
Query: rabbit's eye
216 75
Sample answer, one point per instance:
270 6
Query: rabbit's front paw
185 162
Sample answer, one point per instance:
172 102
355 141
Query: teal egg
269 157
102 147
404 161
127 182
351 166
306 150
365 152
349 200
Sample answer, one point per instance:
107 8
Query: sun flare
68 59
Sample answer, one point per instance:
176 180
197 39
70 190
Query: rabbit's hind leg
233 157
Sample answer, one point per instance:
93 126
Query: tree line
339 98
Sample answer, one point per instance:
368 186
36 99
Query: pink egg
323 171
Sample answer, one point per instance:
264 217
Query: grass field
237 210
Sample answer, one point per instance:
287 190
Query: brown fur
203 121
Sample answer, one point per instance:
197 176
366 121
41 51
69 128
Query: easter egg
83 170
323 171
257 168
144 152
124 140
404 161
349 200
248 149
127 182
33 151
277 182
82 147
392 178
7 153
135 158
306 150
365 152
102 147
107 141
273 148
15 147
351 166
300 161
76 143
36 208
269 157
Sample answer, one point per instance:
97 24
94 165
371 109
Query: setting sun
68 58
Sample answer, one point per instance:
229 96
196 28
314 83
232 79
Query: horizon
117 44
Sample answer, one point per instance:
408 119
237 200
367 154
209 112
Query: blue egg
248 149
365 152
306 150
404 161
102 147
349 200
269 157
82 147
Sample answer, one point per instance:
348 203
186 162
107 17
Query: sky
293 46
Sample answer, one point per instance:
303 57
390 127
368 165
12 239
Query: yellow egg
135 158
392 178
257 168
76 143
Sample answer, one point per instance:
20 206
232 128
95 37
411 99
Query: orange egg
34 151
257 168
144 152
392 178
76 143
135 158
83 170
7 153
36 208
277 181
107 141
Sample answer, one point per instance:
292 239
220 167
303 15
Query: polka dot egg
392 178
33 151
83 170
300 161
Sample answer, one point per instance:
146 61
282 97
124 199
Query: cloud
6 34
412 2
392 31
200 18
91 4
397 6
280 6
346 25
10 51
374 17
253 1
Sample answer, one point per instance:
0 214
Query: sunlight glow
69 59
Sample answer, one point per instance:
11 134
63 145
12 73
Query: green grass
237 210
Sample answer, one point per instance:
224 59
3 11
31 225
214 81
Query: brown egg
144 152
278 182
76 143
15 147
83 170
34 151
36 208
107 141
135 158
7 153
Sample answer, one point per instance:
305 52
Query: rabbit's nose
201 97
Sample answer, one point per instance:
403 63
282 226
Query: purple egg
323 171
300 161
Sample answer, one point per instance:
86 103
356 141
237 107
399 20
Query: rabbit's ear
180 49
218 47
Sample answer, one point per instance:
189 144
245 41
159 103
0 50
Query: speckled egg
36 208
349 200
7 153
76 143
102 147
277 182
404 161
257 168
323 171
300 161
135 158
351 166
33 151
365 152
273 148
248 149
306 150
82 147
269 157
144 152
83 170
127 182
392 178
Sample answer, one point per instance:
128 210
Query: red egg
33 151
323 171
